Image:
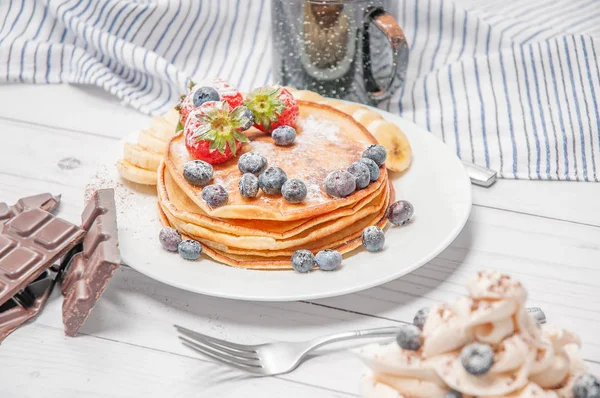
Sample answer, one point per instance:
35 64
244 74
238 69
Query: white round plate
436 184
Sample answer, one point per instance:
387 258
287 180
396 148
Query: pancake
327 140
267 243
174 200
333 241
315 239
271 263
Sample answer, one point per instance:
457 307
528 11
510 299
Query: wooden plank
32 163
39 361
137 310
563 200
75 108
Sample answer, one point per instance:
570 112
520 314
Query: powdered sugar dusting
313 191
225 180
127 197
324 128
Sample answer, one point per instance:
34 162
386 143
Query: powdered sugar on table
130 198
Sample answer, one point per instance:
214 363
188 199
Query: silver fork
280 357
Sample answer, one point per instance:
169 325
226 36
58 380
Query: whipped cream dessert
482 345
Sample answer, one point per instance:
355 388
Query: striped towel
512 85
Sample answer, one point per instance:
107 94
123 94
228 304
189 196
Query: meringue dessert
481 345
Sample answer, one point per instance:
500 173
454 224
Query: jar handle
386 23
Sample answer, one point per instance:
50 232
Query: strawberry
233 97
227 93
201 150
272 106
213 132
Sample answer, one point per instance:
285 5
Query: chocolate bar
88 272
31 241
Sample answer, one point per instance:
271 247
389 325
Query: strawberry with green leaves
207 90
214 132
272 106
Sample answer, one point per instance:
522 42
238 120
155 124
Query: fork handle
378 332
391 331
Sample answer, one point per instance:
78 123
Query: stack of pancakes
263 232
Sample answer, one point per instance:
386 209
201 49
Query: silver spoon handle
480 175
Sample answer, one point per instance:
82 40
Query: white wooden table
546 234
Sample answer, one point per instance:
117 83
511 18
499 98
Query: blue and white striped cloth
513 85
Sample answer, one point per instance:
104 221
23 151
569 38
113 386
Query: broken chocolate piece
44 201
31 241
26 304
88 272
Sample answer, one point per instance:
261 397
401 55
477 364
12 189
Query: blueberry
205 94
328 260
373 238
401 212
197 172
373 168
248 116
586 386
421 317
303 261
477 358
190 250
284 135
409 337
452 394
215 195
362 173
377 153
252 162
294 191
248 185
169 239
340 183
271 180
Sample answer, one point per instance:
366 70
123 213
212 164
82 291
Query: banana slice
332 103
306 95
141 160
149 142
399 152
365 116
172 117
133 173
162 129
349 108
138 156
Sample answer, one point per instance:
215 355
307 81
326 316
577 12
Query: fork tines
239 356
